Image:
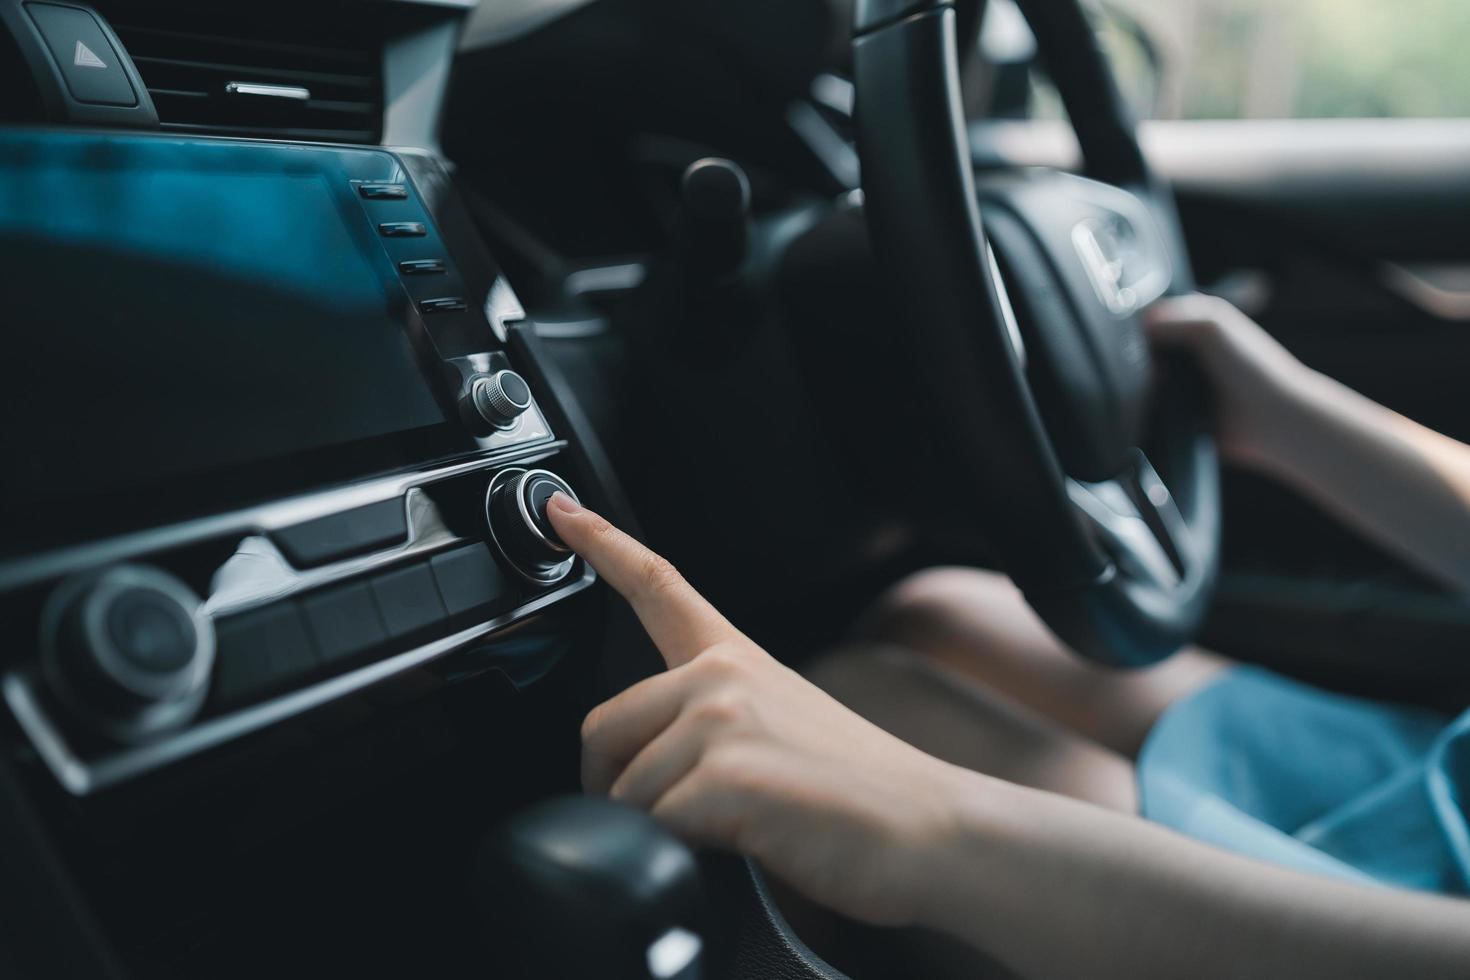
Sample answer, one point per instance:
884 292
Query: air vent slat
237 71
316 135
183 41
188 61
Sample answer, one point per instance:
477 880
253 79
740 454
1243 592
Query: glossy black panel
344 534
185 311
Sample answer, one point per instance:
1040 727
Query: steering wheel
1021 293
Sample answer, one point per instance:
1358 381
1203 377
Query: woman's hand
1252 374
730 748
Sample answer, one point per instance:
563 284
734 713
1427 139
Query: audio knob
499 399
515 513
129 651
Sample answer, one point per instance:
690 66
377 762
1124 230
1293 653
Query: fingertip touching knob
515 513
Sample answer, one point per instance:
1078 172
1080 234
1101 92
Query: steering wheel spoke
1139 522
1044 402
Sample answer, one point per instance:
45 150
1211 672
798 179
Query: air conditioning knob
129 651
515 513
500 399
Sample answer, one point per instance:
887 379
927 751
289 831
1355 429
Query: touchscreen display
185 332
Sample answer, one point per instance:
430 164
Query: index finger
680 621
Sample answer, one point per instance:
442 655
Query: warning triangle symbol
86 58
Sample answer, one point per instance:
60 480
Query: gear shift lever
715 229
580 886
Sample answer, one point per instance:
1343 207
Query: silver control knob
129 651
500 398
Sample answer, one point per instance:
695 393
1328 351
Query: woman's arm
1058 888
732 749
1402 484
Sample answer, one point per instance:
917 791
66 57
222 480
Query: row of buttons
387 192
267 649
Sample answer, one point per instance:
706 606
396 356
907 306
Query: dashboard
274 453
285 626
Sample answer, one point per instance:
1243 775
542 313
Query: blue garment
1261 765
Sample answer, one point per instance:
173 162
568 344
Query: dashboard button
344 621
515 514
261 651
470 581
444 304
422 267
403 229
93 71
538 493
383 192
358 531
409 600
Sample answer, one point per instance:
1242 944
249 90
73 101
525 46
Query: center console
284 629
266 444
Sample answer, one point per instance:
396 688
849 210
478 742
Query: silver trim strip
257 573
262 517
295 92
81 777
1007 311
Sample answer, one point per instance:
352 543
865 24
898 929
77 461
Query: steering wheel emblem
1122 276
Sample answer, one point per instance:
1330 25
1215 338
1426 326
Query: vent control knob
129 650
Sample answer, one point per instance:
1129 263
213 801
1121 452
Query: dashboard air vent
234 80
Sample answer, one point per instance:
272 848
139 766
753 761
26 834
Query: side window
1264 59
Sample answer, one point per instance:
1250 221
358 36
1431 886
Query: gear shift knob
581 886
716 232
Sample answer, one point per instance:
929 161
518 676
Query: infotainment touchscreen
187 326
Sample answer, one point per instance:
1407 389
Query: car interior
309 307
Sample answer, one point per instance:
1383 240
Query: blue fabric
1283 772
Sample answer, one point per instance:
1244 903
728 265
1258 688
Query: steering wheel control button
403 229
515 514
382 192
422 267
500 398
93 71
443 304
346 534
129 651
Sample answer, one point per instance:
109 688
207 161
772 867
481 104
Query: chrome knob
500 398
